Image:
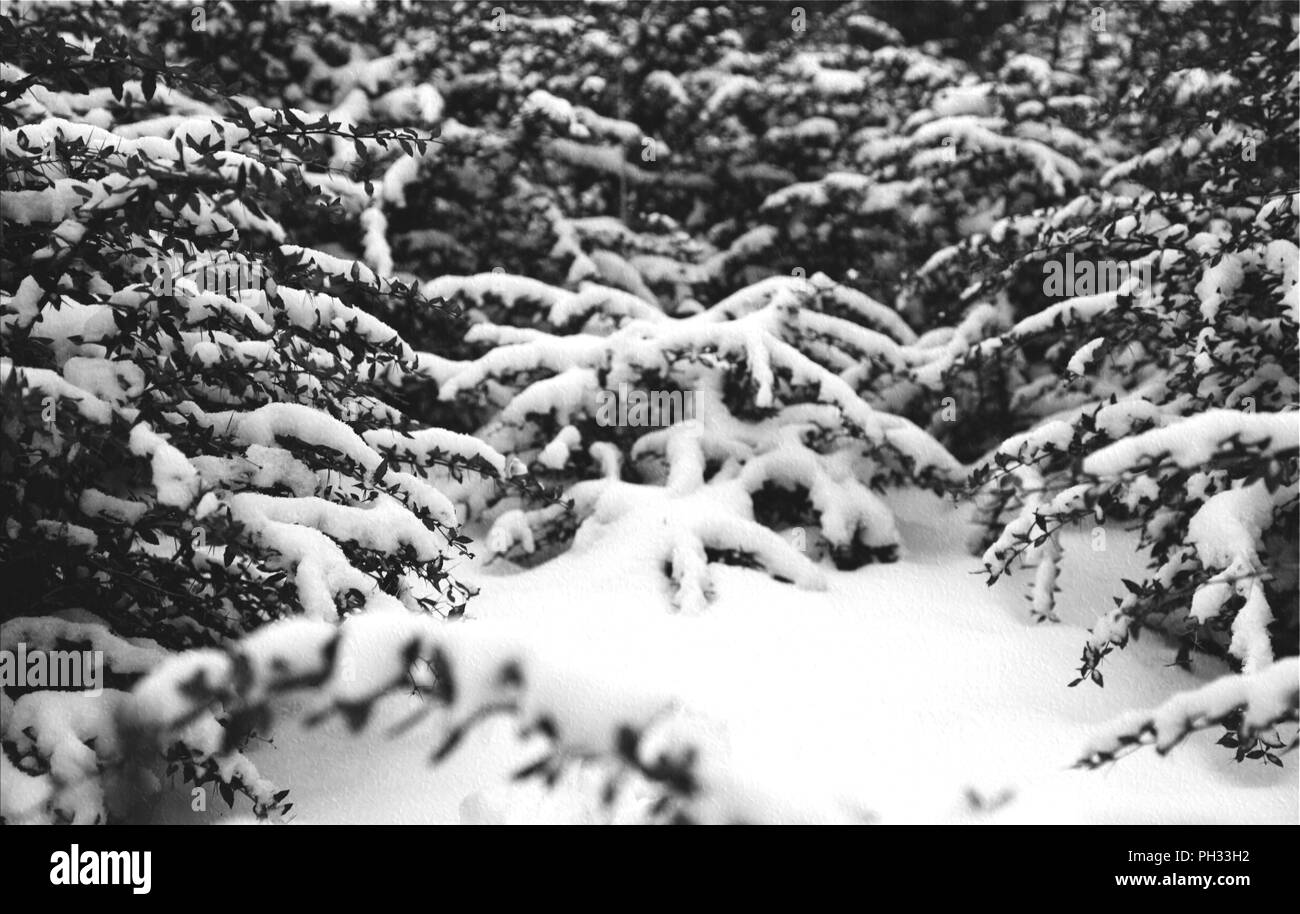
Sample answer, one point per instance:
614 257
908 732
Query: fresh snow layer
903 689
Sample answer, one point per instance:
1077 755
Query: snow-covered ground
840 689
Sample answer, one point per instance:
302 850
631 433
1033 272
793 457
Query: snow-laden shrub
1154 369
1251 706
717 430
652 758
238 390
200 419
556 117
